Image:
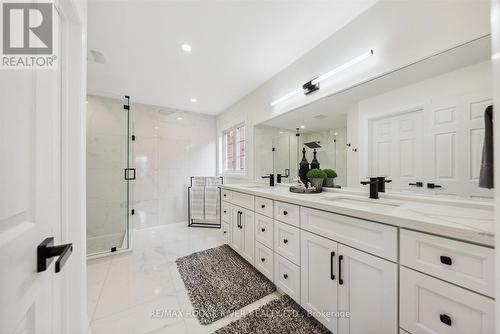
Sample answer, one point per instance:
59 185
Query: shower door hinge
126 107
132 212
113 249
133 137
274 149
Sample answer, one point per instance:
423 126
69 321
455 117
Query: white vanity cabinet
319 258
368 290
338 278
243 233
358 276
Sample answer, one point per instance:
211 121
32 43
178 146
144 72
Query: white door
30 201
368 290
319 278
396 150
247 218
454 145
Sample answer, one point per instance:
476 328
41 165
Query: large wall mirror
422 126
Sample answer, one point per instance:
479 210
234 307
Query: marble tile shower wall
170 146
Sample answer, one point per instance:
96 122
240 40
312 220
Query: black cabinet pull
445 319
285 241
263 229
285 276
46 251
341 281
262 206
446 260
263 259
332 274
285 213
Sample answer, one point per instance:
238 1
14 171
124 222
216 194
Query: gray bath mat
219 282
280 316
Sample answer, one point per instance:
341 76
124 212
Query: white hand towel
211 203
197 203
199 181
213 181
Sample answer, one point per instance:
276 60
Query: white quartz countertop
470 221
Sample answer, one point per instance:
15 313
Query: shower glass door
108 125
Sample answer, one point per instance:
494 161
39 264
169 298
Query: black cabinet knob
446 260
285 241
225 232
445 319
285 276
285 213
225 211
263 229
225 195
263 260
262 206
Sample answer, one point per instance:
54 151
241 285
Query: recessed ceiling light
302 126
179 118
186 48
193 99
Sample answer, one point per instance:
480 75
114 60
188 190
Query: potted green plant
330 176
316 176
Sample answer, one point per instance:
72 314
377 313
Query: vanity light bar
287 96
342 67
315 82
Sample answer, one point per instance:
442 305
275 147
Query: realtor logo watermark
28 35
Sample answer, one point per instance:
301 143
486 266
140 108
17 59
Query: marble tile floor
141 292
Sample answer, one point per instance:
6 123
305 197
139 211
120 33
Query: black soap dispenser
315 162
303 167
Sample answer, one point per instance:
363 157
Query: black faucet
280 176
381 183
373 186
271 179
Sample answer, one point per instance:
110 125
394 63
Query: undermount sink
372 203
260 186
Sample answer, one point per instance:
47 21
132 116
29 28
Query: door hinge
132 212
133 137
113 249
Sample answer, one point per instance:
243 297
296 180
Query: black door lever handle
46 251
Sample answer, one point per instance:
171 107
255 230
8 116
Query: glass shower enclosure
109 175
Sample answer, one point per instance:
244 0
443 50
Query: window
234 158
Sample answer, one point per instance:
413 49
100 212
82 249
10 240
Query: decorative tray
304 191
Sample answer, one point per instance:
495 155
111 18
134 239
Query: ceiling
333 109
135 46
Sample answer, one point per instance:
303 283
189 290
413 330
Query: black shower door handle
127 174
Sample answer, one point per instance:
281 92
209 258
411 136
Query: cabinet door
319 278
236 231
248 237
368 290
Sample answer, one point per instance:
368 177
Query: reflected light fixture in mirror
325 76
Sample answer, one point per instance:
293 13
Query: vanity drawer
287 277
264 230
226 230
264 260
371 237
226 212
240 199
429 305
287 241
287 213
264 206
464 264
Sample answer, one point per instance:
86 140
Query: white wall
400 32
468 80
166 152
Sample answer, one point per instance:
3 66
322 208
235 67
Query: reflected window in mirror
234 147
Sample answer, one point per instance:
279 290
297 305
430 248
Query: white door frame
74 81
495 40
